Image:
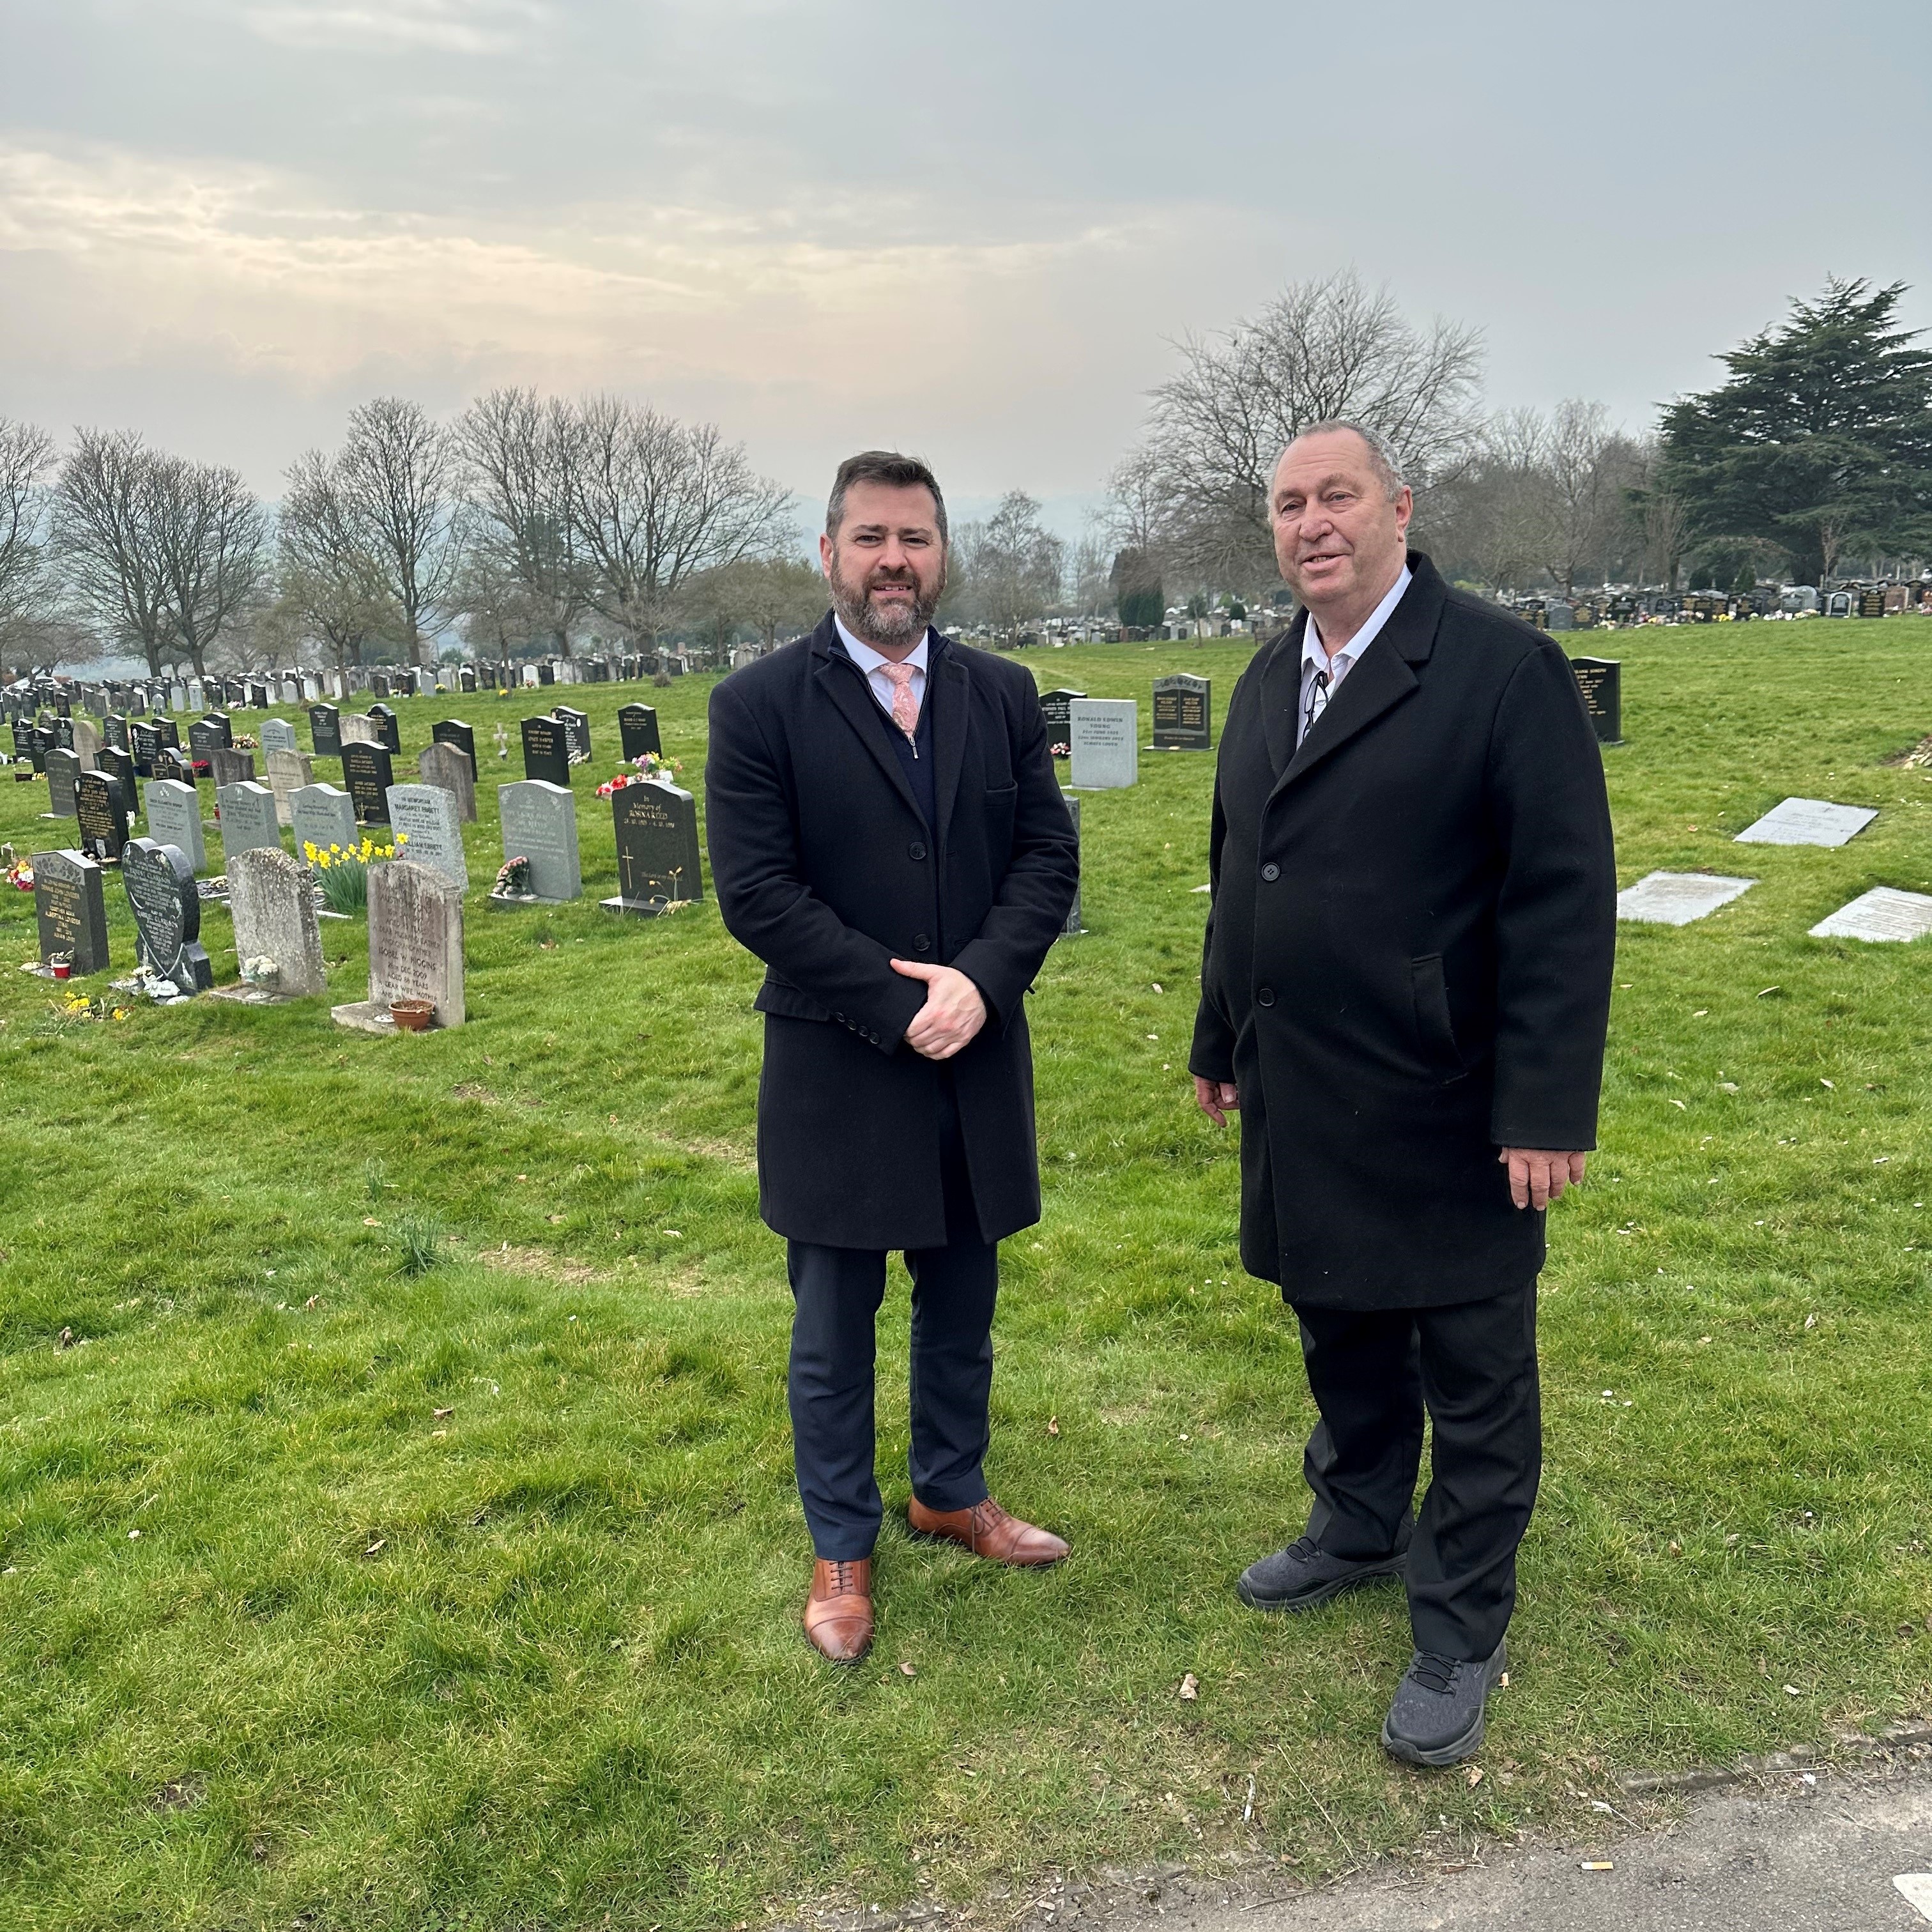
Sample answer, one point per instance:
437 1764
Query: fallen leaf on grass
906 1670
377 1547
314 1301
370 1221
555 1220
441 1414
66 1338
1680 1106
1190 1688
1053 1425
1826 1083
1473 1775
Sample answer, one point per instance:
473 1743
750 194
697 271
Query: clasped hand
953 1014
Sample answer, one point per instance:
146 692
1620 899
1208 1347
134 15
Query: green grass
281 1643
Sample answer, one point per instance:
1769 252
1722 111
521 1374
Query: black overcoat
827 870
1409 951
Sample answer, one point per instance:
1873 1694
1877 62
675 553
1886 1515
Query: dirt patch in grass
559 1268
469 1089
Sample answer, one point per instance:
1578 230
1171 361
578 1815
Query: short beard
886 629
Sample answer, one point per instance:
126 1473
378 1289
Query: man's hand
1537 1176
953 1014
1216 1099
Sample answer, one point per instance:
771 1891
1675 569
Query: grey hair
882 465
1382 457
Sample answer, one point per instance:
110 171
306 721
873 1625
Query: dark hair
881 466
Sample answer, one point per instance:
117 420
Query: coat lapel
946 692
1385 675
1281 692
845 683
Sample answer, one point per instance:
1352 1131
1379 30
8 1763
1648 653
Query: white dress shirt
1316 657
868 661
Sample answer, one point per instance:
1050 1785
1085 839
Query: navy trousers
836 1293
1473 1368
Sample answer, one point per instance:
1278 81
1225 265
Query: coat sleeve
1212 1056
1004 956
1556 909
762 894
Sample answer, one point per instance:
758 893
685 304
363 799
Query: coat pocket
1435 1031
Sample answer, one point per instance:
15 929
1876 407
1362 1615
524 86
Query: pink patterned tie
905 707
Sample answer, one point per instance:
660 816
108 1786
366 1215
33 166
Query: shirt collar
869 660
1314 652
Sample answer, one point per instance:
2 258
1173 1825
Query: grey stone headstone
1807 821
166 908
539 821
322 815
63 775
1883 913
273 911
424 821
1677 899
228 767
87 742
415 938
174 818
276 734
353 728
447 767
657 861
1105 743
70 911
248 819
288 772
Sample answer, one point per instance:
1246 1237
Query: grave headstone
379 684
1056 707
1105 743
546 750
101 812
423 820
70 911
325 730
174 818
228 767
353 728
368 771
1600 680
167 907
449 767
119 765
246 811
385 724
454 731
539 823
546 673
638 726
657 848
530 677
1871 603
276 734
416 945
576 732
1677 899
205 733
144 741
324 816
114 730
87 742
1807 821
274 911
288 772
63 769
1884 913
1182 718
465 679
1073 925
171 762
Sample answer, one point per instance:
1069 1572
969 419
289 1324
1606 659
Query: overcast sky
969 230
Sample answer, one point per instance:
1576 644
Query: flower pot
413 1015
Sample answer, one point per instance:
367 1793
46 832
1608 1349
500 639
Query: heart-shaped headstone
166 908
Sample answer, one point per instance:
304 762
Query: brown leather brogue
988 1531
838 1612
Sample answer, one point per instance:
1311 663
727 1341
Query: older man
886 835
1405 989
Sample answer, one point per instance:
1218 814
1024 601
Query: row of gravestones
1883 913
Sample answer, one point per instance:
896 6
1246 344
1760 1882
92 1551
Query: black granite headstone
638 724
325 730
657 848
1056 705
368 773
379 684
1600 680
146 741
576 731
119 765
102 815
546 750
466 679
70 911
386 722
206 734
1183 720
167 913
454 731
114 730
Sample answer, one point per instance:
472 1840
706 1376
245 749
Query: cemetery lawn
337 1595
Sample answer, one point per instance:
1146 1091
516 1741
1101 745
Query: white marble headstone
1677 899
1104 735
1807 821
1883 913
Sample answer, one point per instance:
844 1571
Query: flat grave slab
1807 821
1677 899
1883 913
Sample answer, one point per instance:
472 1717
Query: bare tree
26 455
329 575
1321 350
774 593
396 473
1013 564
496 606
655 501
520 455
1584 470
107 521
209 541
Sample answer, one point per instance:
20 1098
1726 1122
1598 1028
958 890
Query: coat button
920 944
1270 871
1264 996
915 850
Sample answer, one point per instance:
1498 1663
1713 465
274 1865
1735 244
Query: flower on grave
402 837
513 879
20 875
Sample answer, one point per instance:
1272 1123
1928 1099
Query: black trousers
1473 1367
837 1293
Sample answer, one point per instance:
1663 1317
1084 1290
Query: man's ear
825 555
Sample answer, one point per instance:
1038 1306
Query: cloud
481 27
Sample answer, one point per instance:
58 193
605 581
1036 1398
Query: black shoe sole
1322 1593
1458 1750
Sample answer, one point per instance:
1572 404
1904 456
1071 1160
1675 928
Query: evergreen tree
1821 439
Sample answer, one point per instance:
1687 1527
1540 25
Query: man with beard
887 836
1405 990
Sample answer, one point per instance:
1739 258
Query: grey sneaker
1301 1576
1437 1717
